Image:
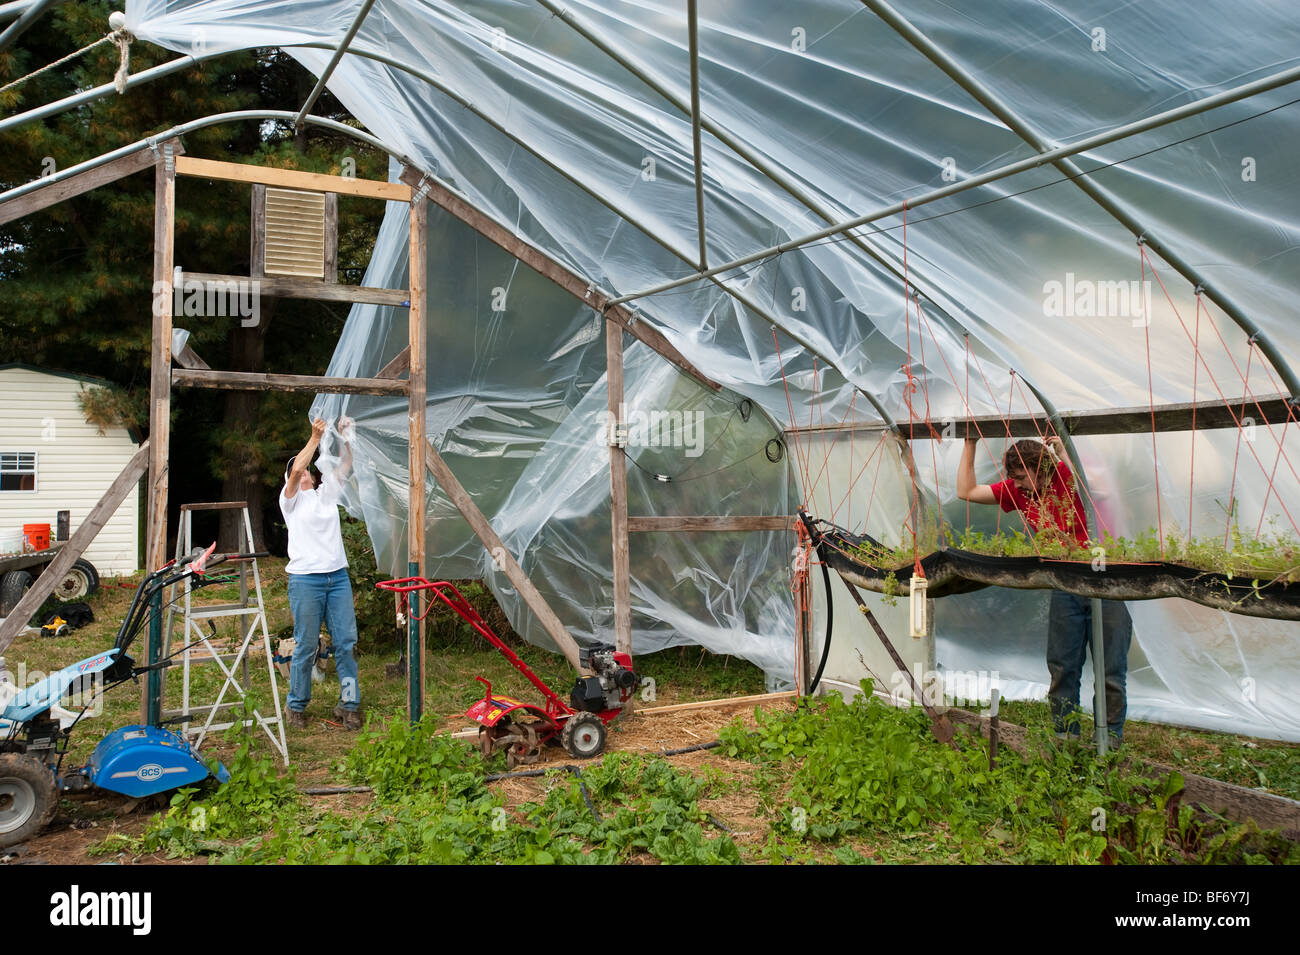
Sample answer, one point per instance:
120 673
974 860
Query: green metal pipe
415 689
153 679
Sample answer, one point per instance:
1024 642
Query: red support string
1151 398
871 498
794 422
1246 385
908 390
1236 454
830 443
1263 509
966 401
1006 423
1290 408
862 470
1191 467
1219 391
925 390
966 398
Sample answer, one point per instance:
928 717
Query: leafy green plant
400 758
863 769
204 818
433 807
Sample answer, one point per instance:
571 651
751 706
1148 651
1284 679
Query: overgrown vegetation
433 806
837 782
858 780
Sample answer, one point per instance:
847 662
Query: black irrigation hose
830 620
690 749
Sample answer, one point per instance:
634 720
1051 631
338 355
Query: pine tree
76 278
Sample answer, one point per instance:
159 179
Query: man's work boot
298 719
351 719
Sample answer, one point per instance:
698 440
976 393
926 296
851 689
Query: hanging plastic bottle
917 607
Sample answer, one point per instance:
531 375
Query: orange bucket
38 535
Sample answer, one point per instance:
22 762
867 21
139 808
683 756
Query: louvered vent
295 233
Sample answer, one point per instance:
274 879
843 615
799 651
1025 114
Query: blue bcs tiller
136 761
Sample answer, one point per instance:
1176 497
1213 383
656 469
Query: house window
17 470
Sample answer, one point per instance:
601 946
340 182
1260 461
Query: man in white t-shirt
319 586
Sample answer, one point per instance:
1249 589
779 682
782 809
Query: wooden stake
618 488
418 446
478 523
160 386
160 364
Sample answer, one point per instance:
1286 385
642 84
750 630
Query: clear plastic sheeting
518 408
570 124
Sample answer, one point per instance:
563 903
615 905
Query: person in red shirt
1041 487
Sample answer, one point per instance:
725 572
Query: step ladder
246 616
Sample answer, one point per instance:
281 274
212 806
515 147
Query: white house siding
75 465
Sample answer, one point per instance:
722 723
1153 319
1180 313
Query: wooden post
415 410
44 584
160 382
160 391
257 250
478 523
618 487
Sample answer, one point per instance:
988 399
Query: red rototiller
521 729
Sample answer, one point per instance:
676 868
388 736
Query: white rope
120 38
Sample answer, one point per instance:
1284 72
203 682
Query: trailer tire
78 582
28 797
12 587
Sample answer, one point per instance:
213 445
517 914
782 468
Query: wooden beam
417 351
331 265
1209 415
396 367
160 386
256 381
257 254
720 704
693 524
292 179
544 265
618 490
99 515
478 523
314 289
80 183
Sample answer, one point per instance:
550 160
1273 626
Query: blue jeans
313 598
1069 638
